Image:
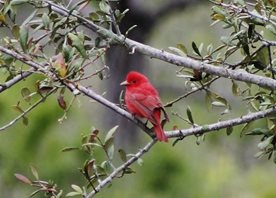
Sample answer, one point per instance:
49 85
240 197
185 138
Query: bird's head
134 79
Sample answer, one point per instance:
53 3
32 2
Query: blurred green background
221 166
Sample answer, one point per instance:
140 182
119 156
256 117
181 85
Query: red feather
142 100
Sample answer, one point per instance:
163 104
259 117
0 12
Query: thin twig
27 110
169 104
114 22
121 168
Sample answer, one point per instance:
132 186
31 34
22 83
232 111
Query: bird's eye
134 81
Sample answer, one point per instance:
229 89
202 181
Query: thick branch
187 62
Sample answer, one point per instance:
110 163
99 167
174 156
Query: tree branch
15 80
121 168
76 89
27 110
181 134
239 75
222 124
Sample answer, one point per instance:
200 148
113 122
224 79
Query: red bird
142 100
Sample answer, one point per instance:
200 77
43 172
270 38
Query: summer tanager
143 101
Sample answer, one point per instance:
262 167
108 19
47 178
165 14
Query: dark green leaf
262 58
25 120
229 130
69 149
196 50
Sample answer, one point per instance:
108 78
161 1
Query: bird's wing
145 104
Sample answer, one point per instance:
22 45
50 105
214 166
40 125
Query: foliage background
219 167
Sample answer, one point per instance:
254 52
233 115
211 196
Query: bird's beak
125 83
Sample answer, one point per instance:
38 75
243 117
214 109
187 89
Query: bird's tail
160 133
157 127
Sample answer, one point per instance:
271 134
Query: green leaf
76 188
26 94
106 166
258 131
189 114
271 28
263 144
182 48
109 146
229 130
235 88
23 38
140 161
78 43
66 149
262 56
218 17
110 133
104 7
218 10
45 20
245 128
122 155
34 172
15 31
72 194
259 154
195 48
25 120
67 52
218 104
